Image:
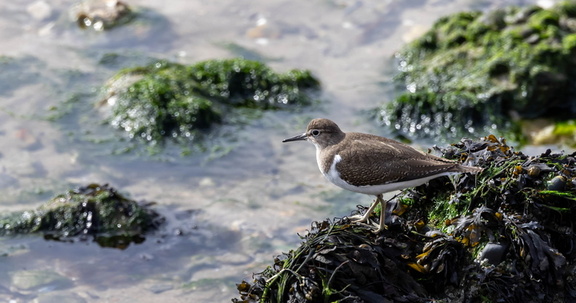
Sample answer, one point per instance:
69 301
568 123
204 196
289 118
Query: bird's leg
382 214
366 216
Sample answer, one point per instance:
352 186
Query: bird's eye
315 133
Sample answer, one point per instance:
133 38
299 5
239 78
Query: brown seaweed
504 235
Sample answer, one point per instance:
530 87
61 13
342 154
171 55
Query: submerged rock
101 15
476 74
95 211
503 235
171 100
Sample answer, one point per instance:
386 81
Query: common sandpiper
371 164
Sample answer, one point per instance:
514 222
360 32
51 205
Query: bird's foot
380 228
359 219
366 216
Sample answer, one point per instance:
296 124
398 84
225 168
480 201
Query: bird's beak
296 138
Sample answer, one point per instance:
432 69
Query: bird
371 164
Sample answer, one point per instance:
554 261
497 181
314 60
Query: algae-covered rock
515 221
474 73
503 235
338 262
101 15
95 211
171 100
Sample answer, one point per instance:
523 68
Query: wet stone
101 15
94 212
183 103
476 73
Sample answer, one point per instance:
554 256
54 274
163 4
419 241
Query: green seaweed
504 234
94 211
171 100
471 70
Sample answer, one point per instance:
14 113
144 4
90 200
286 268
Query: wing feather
381 160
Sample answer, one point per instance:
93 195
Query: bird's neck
323 160
319 157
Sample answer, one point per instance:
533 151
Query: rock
95 211
478 73
501 235
166 100
101 15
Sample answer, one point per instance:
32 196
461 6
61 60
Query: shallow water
238 204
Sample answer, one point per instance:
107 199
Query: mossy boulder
171 100
503 235
102 15
478 73
95 211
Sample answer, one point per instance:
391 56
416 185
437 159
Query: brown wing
380 160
